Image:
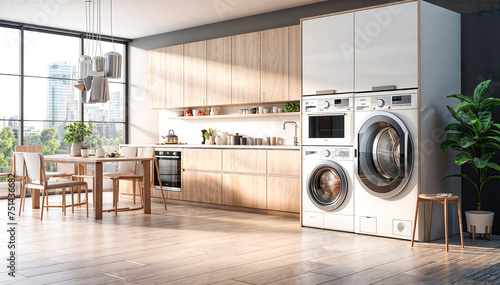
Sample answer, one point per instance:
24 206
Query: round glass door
385 154
327 185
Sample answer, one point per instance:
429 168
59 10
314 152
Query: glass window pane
9 51
111 111
42 51
9 93
106 47
111 134
9 138
47 134
51 99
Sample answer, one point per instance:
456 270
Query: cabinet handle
325 92
384 87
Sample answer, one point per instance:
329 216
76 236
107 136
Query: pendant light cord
111 17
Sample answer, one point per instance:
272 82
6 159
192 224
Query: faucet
295 142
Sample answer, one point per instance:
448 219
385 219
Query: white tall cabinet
327 54
386 48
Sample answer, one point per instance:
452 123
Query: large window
38 72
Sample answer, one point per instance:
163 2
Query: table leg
35 198
460 222
415 222
98 190
446 223
147 184
430 222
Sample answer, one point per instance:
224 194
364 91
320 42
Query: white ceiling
138 18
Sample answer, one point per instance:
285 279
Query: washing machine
385 164
327 190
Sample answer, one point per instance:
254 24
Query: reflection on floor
189 245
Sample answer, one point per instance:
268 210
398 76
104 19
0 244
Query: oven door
170 172
328 128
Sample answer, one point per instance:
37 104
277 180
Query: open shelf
236 116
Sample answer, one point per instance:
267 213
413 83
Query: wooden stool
443 200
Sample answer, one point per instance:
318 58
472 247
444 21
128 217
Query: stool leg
473 234
446 223
491 231
470 232
415 222
460 222
430 223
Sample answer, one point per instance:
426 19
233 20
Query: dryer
327 190
386 158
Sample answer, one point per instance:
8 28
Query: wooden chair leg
64 200
72 201
87 199
133 190
430 223
460 222
414 221
21 200
115 196
43 201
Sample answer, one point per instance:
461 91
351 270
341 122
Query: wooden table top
91 159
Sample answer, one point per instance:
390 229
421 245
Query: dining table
97 162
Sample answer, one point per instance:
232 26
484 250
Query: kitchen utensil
243 141
261 110
179 113
254 110
99 152
235 139
228 140
188 112
171 138
218 140
223 136
273 140
280 110
266 110
242 111
275 109
195 112
268 141
214 111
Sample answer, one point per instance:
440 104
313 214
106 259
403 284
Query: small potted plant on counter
77 132
209 136
475 136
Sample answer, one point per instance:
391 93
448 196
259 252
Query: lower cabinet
244 191
283 194
201 187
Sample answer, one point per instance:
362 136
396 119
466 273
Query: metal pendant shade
112 65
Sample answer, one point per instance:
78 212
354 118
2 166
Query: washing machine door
384 154
327 185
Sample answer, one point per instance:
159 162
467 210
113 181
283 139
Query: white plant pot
76 148
480 219
85 152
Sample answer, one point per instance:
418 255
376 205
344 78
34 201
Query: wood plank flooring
193 245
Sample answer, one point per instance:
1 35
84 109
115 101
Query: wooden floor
190 245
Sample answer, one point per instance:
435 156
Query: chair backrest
18 158
34 167
146 152
127 167
29 148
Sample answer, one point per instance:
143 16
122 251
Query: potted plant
209 135
476 138
77 132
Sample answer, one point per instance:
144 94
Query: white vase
85 152
99 152
76 147
480 219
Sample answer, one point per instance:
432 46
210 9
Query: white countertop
215 146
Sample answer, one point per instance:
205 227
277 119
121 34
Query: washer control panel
333 153
381 102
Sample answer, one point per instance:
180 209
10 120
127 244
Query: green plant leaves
480 92
461 97
461 176
462 158
466 142
468 117
494 166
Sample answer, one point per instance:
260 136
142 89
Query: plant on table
76 134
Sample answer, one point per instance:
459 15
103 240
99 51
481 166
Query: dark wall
481 61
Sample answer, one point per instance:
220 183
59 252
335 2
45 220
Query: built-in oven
328 120
169 166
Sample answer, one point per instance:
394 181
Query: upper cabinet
173 77
294 63
195 73
219 71
274 65
328 54
157 78
246 68
386 42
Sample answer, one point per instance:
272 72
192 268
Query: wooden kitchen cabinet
244 161
328 54
283 162
157 78
219 71
387 40
195 73
244 191
294 63
245 71
173 77
202 187
283 194
202 159
274 65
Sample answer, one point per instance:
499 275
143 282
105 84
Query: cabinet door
387 47
202 159
173 77
157 78
283 162
219 71
328 54
283 194
195 74
202 187
245 68
294 63
244 161
244 191
274 65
